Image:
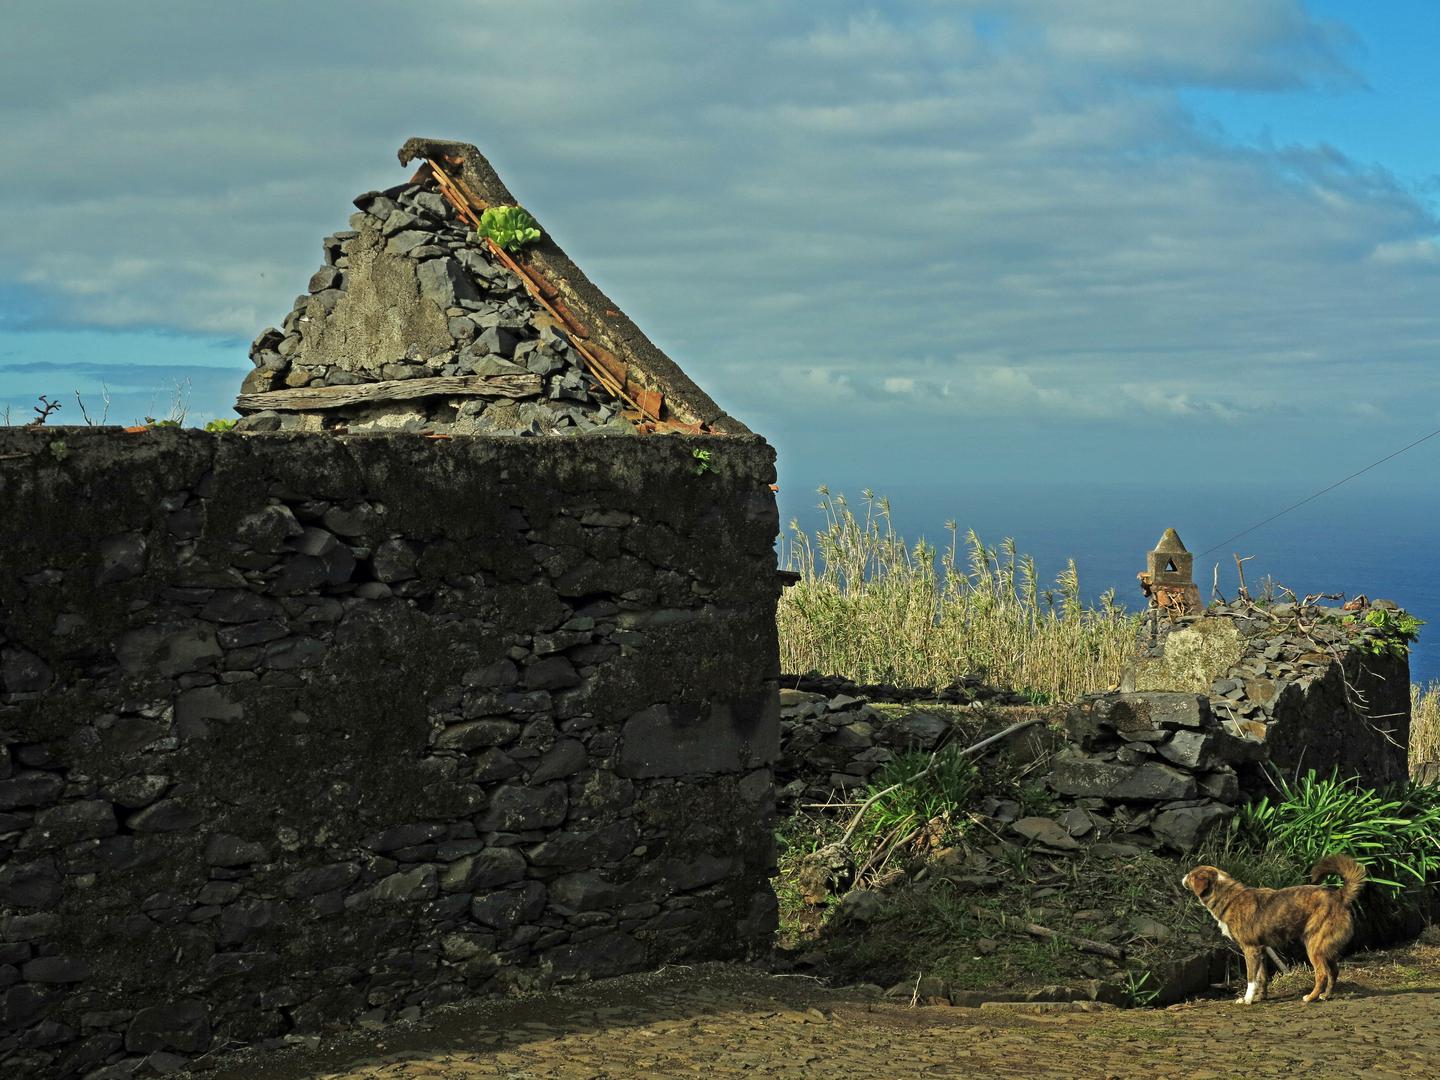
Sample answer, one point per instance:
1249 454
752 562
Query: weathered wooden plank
307 398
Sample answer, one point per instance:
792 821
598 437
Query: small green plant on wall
510 227
1397 630
702 461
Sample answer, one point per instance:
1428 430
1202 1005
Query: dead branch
85 413
976 819
1240 569
881 852
43 411
1099 948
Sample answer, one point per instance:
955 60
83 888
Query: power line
1317 494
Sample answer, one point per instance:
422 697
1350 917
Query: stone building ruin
388 700
413 324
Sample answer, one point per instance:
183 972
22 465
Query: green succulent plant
510 227
1397 629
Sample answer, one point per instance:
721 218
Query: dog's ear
1201 880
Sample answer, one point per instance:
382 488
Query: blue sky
1004 239
1385 114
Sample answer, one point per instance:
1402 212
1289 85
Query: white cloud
888 209
814 385
1421 251
1268 44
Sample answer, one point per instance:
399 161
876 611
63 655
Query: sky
1008 241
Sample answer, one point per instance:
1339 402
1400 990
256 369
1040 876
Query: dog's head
1202 879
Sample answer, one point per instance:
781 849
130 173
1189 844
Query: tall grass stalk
1425 722
874 609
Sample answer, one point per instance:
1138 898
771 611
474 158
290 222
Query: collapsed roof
416 323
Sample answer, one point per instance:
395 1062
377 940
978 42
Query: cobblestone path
721 1022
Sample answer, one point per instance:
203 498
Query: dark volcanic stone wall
408 292
1311 682
1222 699
299 730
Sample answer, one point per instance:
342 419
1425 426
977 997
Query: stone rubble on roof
409 292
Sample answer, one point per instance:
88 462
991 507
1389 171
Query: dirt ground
719 1022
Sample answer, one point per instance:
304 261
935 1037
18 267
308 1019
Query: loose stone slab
1044 831
1185 827
1151 782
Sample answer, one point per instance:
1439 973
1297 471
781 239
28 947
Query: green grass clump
898 815
1394 833
873 609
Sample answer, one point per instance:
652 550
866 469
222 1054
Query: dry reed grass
1425 722
873 609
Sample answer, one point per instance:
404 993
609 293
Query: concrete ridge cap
1170 542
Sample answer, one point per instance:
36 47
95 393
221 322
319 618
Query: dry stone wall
408 293
1152 765
300 731
1220 698
1215 699
833 740
1312 682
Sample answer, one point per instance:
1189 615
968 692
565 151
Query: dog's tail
1350 871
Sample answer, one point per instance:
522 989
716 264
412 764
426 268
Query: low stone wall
833 744
830 746
1306 680
299 730
1156 763
1214 699
1219 697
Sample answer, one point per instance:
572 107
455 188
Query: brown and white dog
1261 919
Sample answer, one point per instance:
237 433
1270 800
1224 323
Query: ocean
1356 539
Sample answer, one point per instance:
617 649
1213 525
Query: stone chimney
1168 577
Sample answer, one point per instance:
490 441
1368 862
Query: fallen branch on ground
1099 948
